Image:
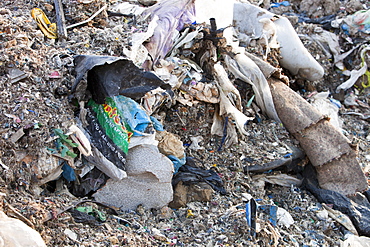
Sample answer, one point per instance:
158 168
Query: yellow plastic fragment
190 214
367 73
48 28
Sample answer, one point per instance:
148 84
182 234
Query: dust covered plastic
111 76
359 214
188 173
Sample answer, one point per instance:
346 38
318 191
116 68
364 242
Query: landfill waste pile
184 123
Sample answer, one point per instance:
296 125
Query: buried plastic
359 214
245 69
341 218
131 113
325 106
111 76
191 173
294 56
193 183
358 22
327 148
356 74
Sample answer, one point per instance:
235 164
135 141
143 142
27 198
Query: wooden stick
61 22
85 21
19 215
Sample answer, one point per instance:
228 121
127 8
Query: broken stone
17 135
183 194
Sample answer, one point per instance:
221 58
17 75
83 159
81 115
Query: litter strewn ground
36 79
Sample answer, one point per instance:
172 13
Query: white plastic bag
295 56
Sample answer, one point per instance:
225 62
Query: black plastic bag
188 173
112 76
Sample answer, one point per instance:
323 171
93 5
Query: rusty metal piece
327 148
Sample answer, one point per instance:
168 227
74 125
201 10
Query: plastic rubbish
358 22
88 184
63 144
294 56
283 3
94 212
149 139
226 86
177 163
111 76
359 214
205 92
127 9
279 179
83 217
17 135
139 53
68 173
189 173
245 69
329 43
71 234
169 144
132 113
251 213
49 167
322 103
341 218
16 75
49 29
77 135
195 140
156 124
158 235
271 210
356 74
227 109
14 232
268 166
108 131
172 16
284 218
355 241
106 166
222 126
326 147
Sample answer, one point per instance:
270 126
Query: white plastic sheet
172 15
245 69
295 56
355 74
